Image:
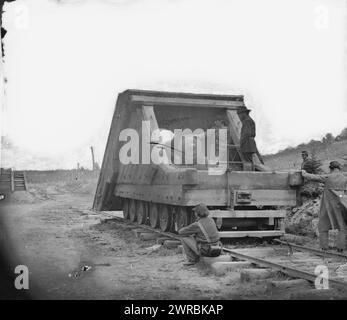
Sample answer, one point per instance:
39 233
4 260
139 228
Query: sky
66 62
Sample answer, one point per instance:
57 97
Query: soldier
331 213
247 143
306 162
200 238
248 146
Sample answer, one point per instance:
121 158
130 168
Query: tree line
327 140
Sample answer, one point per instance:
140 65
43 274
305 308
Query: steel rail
292 272
142 226
295 273
318 252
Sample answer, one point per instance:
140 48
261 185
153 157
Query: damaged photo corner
172 151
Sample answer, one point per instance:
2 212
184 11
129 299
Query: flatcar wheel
141 212
181 217
126 209
153 215
165 217
132 210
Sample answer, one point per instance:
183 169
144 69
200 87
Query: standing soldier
332 215
306 162
247 143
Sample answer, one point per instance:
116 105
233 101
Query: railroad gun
156 174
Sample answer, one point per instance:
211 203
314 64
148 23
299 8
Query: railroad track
293 260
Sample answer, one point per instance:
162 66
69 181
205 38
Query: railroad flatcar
167 152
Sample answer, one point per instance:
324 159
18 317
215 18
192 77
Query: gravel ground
73 254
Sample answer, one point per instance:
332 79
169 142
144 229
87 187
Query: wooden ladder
19 181
11 180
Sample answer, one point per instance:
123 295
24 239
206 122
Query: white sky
66 63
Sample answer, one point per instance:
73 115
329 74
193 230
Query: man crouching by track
200 238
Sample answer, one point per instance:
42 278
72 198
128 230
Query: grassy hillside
291 158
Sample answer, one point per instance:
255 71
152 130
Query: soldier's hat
335 165
201 210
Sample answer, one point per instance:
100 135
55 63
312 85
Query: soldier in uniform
248 147
200 236
332 215
247 143
306 161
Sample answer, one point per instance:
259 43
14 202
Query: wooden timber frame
11 181
127 102
173 188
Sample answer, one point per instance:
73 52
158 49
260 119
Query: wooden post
25 180
229 204
2 81
93 159
235 125
12 180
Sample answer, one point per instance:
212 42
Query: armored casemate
167 152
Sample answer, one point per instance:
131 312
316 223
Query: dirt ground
52 231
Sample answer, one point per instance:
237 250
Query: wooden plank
111 163
154 175
127 171
270 197
218 197
247 213
255 234
235 131
187 102
148 115
12 181
244 179
136 168
177 176
254 274
235 126
161 194
211 197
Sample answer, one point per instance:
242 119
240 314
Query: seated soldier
200 238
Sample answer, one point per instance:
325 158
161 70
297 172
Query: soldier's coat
247 142
332 215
